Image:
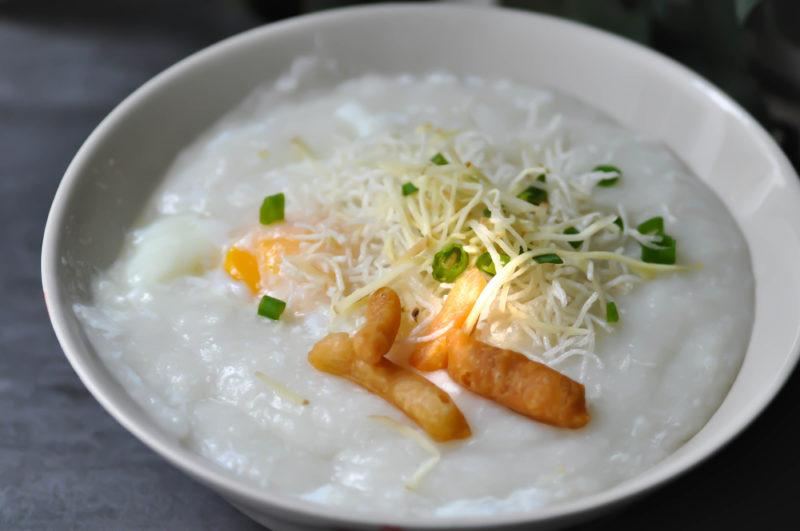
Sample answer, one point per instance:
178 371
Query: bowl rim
293 507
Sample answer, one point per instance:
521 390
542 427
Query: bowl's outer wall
105 188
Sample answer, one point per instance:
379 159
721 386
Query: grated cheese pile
366 234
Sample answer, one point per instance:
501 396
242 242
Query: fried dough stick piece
432 356
509 378
427 405
376 337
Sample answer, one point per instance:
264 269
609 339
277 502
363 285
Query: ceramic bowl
118 167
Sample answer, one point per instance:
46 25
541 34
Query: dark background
65 463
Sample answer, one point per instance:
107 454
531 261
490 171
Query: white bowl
111 177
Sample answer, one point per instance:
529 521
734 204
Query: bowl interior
114 173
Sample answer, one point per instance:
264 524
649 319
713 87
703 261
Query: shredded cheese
378 283
366 234
433 335
282 390
302 148
406 431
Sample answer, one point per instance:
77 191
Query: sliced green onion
572 230
485 263
612 315
450 262
409 188
533 195
272 209
542 178
608 168
548 258
618 222
665 254
652 226
487 213
439 159
271 308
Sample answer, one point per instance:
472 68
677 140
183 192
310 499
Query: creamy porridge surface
184 338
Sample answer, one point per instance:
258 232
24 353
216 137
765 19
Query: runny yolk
247 267
271 252
242 265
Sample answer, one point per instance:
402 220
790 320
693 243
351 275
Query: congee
427 295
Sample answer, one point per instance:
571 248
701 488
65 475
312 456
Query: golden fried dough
427 405
509 378
376 337
432 355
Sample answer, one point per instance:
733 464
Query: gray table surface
64 462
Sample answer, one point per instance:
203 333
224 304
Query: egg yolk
243 266
247 267
271 252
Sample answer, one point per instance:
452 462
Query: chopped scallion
272 209
439 159
409 188
618 222
665 254
652 226
449 262
533 195
485 263
271 307
612 315
572 230
542 178
487 213
608 168
548 258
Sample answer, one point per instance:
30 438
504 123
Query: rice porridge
599 254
